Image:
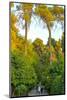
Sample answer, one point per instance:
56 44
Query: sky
36 30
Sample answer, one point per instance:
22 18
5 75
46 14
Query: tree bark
49 37
13 93
49 41
25 37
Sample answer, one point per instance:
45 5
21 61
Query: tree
53 76
58 12
27 12
25 15
49 16
46 16
58 48
38 46
30 62
23 76
53 42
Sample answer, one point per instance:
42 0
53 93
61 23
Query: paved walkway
35 92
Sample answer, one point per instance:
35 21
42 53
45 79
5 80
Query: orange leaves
53 57
52 52
51 49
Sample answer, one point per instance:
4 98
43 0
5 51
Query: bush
23 76
53 76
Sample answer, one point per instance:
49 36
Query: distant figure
39 89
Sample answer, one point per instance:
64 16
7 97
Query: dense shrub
29 70
23 76
53 76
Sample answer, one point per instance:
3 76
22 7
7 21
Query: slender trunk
25 37
13 93
49 37
49 42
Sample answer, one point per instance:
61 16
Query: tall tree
49 16
27 13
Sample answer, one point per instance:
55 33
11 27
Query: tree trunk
25 37
49 37
13 94
49 42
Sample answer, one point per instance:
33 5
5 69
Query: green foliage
57 86
28 70
53 42
33 68
43 55
23 76
21 90
38 46
53 76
